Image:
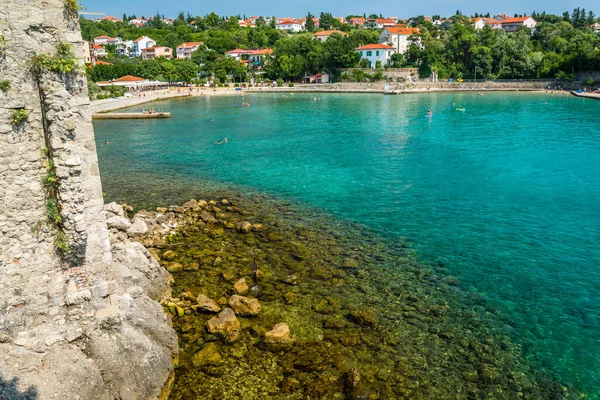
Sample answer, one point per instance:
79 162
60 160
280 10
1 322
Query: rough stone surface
86 325
241 287
244 306
206 304
279 334
225 325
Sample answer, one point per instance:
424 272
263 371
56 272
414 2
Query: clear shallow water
503 195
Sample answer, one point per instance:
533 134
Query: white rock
119 223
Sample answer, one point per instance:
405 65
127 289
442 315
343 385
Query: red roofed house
376 52
356 21
103 39
185 49
128 81
482 22
511 24
324 35
400 37
385 22
289 25
254 58
151 53
98 51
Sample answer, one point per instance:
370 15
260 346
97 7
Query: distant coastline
100 106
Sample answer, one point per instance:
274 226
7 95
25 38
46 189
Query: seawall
79 316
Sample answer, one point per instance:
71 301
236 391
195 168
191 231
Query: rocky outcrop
83 321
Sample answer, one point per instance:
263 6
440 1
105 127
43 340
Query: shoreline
107 105
320 302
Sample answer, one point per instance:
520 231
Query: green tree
310 23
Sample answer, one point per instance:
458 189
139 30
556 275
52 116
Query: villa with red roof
185 49
512 24
254 58
502 21
400 37
324 35
290 24
356 21
385 22
480 23
143 42
376 52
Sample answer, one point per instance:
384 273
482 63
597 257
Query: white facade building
140 43
185 49
400 38
376 52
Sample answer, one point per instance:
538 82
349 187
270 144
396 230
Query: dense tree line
558 47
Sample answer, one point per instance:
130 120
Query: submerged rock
208 355
225 325
244 227
241 287
191 204
206 304
279 334
244 306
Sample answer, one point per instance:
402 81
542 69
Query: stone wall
85 323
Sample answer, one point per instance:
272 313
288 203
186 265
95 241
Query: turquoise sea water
503 195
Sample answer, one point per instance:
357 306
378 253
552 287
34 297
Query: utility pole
475 80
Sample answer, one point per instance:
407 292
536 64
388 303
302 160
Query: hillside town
214 50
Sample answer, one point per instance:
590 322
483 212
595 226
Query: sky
337 8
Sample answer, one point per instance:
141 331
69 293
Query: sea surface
503 195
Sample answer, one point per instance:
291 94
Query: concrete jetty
136 115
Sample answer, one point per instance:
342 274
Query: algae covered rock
241 287
174 267
365 318
279 334
206 304
244 227
244 306
225 325
208 355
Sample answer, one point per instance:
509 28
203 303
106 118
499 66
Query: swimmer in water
429 113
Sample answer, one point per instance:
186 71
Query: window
369 53
377 53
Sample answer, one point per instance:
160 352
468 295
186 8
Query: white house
138 22
124 48
401 38
512 24
140 43
324 35
185 49
98 51
376 52
596 27
385 22
102 40
289 25
482 22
